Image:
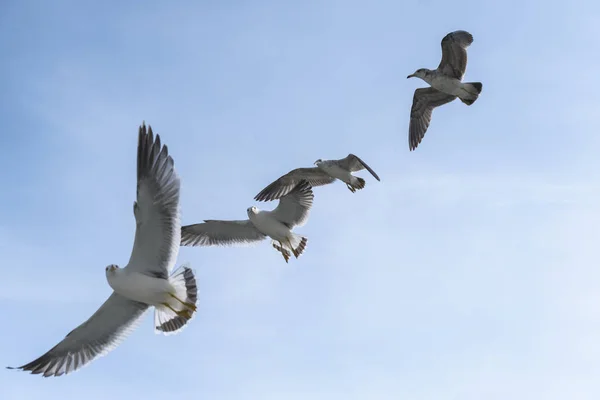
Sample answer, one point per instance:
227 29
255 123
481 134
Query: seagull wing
454 54
220 233
293 208
285 184
424 101
158 227
103 332
353 163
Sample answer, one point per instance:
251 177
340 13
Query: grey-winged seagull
325 172
145 281
446 85
292 211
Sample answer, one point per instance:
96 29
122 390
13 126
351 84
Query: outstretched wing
293 208
103 332
424 101
158 227
285 184
220 233
454 54
352 163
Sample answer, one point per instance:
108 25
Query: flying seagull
145 281
325 172
277 224
445 85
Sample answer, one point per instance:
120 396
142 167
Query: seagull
145 281
277 224
325 172
445 85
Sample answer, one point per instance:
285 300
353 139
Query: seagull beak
410 76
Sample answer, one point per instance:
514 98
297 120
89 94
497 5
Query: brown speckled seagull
445 85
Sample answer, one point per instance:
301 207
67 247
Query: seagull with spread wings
145 281
445 85
325 172
292 211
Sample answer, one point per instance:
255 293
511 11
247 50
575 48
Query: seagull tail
298 244
471 92
180 308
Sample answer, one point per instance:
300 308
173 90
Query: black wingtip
264 198
413 144
266 195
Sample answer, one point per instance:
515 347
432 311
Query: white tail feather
168 322
298 244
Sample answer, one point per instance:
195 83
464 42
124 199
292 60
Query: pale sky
469 272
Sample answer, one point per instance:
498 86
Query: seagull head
420 73
252 210
319 161
111 268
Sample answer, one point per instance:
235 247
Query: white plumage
292 211
145 281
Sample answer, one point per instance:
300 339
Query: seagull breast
140 287
268 225
336 171
446 84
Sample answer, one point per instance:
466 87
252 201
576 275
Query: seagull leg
185 303
279 247
183 313
350 188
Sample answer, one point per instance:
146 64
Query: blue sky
469 272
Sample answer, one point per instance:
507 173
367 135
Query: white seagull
445 85
145 281
277 224
325 172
